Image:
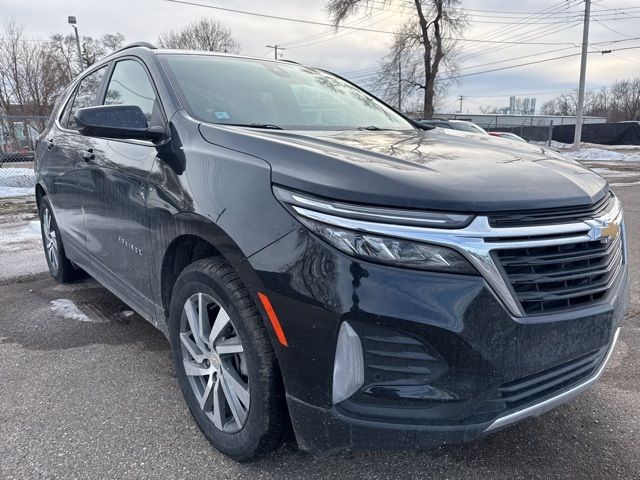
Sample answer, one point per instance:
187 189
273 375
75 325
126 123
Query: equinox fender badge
129 245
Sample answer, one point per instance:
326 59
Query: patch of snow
601 154
625 184
16 182
554 144
20 237
607 147
614 173
67 309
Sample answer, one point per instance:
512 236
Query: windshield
231 90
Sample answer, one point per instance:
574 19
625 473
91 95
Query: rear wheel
60 266
225 362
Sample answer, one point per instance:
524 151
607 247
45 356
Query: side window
86 96
64 116
130 85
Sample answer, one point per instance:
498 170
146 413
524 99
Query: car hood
434 169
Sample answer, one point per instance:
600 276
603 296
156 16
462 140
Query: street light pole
72 22
583 73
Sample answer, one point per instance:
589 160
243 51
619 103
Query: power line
530 30
362 29
330 31
516 66
501 33
536 62
611 29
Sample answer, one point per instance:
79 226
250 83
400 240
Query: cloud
345 51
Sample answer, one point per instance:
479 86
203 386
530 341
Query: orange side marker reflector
275 323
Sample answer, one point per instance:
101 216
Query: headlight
392 251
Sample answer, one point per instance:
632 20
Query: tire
60 267
236 397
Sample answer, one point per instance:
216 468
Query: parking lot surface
87 390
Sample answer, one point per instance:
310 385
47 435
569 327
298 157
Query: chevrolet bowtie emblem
603 229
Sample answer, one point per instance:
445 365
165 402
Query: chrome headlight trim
397 216
476 241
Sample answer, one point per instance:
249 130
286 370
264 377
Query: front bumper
323 431
478 351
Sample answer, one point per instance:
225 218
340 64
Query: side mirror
116 121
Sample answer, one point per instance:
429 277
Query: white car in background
467 126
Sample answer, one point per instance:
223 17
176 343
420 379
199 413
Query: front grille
549 216
552 278
534 388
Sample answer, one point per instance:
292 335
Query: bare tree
64 50
29 80
421 48
205 34
617 103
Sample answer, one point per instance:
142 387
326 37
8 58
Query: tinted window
130 85
64 116
220 89
86 96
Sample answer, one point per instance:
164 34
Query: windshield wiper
270 126
372 128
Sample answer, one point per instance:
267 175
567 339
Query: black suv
314 256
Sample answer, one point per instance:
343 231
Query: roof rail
134 45
288 61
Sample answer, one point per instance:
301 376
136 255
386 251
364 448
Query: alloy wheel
214 362
51 241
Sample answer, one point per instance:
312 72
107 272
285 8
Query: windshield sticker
222 115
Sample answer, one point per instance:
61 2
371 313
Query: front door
114 178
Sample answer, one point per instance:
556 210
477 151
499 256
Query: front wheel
225 362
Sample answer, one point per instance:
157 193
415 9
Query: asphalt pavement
87 390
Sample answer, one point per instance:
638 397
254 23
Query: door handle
88 155
49 144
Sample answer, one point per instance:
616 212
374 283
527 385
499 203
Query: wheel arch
194 238
40 192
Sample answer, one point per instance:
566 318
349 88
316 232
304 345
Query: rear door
115 188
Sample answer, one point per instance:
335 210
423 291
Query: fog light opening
348 367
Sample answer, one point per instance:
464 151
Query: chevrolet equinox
320 261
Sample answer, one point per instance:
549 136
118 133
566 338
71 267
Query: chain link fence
18 135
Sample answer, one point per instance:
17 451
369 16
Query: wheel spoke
193 349
236 385
221 321
229 346
194 370
194 323
234 404
206 394
203 319
218 404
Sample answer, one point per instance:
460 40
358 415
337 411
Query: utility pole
72 22
461 97
275 50
399 87
583 74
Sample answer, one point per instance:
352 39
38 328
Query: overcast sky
349 52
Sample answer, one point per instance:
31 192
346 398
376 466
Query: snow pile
14 238
600 154
16 182
67 309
